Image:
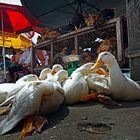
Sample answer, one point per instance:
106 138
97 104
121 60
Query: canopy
55 13
17 18
16 41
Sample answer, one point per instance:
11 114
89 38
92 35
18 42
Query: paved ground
124 122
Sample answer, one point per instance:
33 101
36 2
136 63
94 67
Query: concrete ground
124 122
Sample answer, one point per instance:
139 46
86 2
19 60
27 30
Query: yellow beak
97 65
53 72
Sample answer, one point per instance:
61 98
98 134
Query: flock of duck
31 96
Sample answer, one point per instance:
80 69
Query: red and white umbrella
15 19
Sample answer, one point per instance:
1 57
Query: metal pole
3 48
32 58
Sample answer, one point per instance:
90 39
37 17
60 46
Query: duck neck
114 70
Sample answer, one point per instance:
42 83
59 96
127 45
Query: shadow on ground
53 119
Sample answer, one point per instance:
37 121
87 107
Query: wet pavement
117 123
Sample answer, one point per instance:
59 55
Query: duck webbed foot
39 122
32 124
106 100
91 96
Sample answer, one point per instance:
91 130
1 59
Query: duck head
61 75
43 73
105 58
28 78
84 69
56 68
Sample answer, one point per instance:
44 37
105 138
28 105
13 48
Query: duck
57 79
97 81
52 103
99 90
43 73
56 68
61 76
27 78
122 87
28 104
85 70
76 85
8 90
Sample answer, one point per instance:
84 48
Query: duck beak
53 72
97 65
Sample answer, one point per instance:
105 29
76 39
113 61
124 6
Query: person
8 63
58 58
16 66
10 66
16 56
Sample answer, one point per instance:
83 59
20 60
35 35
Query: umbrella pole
3 48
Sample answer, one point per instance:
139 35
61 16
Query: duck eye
105 54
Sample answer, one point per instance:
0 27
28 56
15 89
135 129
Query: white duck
52 103
122 88
56 68
27 78
29 102
43 73
74 88
96 79
9 89
77 86
84 69
57 79
61 76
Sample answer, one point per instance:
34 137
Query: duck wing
99 83
26 103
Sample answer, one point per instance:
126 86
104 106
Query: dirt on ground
88 121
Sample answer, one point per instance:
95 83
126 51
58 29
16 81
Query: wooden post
51 52
32 58
133 22
119 34
76 44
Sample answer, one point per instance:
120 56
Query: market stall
89 38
